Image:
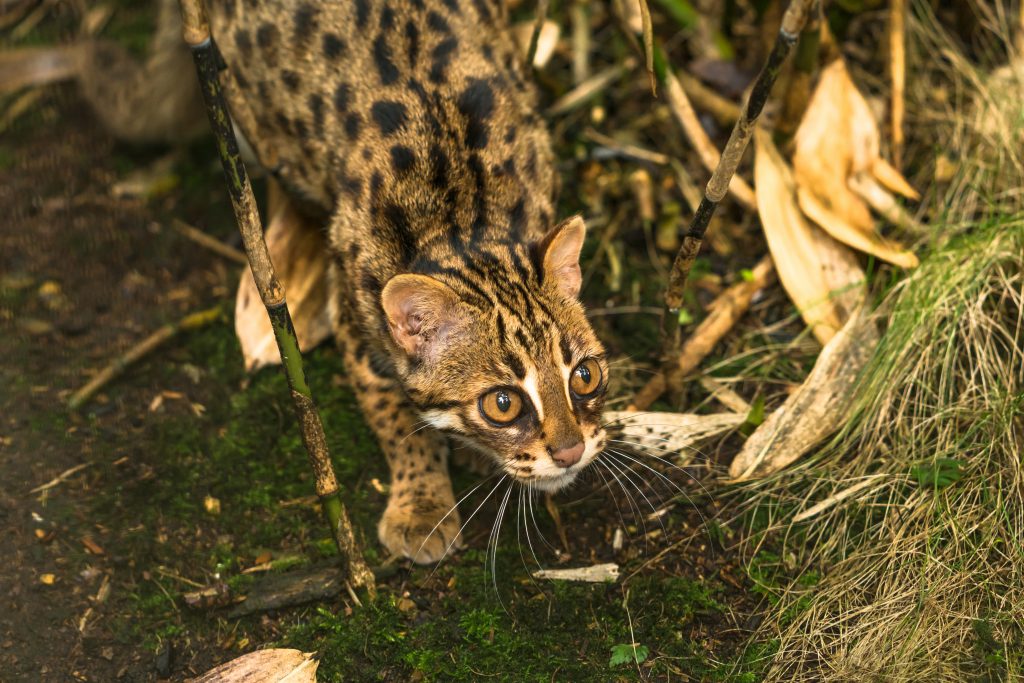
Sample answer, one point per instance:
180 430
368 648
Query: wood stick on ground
580 42
211 243
648 35
726 309
898 74
192 321
793 22
196 31
590 87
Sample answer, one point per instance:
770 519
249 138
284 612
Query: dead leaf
818 408
276 665
821 275
299 254
211 505
92 546
47 579
598 573
837 152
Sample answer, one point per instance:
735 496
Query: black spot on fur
352 124
362 13
394 218
510 135
453 6
290 79
333 46
342 97
402 159
566 350
301 131
305 23
482 9
387 18
316 106
242 42
477 104
351 186
440 56
438 23
266 35
389 116
382 59
439 167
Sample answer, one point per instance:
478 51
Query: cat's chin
552 484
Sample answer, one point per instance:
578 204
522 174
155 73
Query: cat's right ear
421 312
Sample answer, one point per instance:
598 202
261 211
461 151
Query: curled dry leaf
821 275
265 666
818 408
299 253
661 433
839 170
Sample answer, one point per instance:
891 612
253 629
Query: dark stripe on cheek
566 350
515 365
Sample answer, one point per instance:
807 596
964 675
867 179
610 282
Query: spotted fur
410 128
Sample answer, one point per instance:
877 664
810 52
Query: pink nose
567 457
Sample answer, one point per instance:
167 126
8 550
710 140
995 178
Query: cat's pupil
503 401
584 374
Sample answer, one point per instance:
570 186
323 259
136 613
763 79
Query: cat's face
522 379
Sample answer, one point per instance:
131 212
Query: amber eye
501 406
586 378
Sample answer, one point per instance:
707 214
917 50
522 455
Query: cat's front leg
421 521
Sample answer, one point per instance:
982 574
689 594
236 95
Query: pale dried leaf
663 433
868 242
818 408
265 666
598 573
821 275
299 254
838 142
547 41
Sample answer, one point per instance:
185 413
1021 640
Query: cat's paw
423 531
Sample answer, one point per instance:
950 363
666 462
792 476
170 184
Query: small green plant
624 653
937 474
479 625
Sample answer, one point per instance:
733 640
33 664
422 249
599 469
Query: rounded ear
421 312
560 255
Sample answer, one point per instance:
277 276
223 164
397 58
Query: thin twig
580 42
61 478
792 24
648 31
192 321
196 30
898 74
590 87
626 149
211 243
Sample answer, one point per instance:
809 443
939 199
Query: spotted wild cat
408 130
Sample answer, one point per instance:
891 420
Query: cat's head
502 356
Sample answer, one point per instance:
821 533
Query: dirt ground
184 473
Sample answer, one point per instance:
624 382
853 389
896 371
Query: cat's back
343 96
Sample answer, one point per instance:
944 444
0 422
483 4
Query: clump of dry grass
914 514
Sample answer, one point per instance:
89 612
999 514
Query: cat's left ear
422 313
560 252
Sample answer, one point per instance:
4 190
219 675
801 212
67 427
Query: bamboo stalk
792 24
197 34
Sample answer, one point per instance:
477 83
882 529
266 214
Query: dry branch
192 321
196 31
211 243
792 24
726 309
898 74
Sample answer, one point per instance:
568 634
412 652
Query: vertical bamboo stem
197 34
792 24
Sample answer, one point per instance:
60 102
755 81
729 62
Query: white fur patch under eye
443 419
530 386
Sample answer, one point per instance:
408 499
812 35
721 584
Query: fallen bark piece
668 433
294 587
276 665
598 573
820 274
817 409
299 254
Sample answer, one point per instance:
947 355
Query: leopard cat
408 130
